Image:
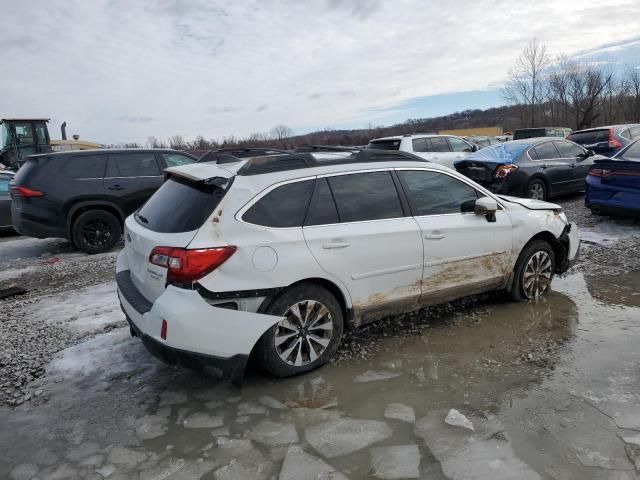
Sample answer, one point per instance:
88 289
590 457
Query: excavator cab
21 137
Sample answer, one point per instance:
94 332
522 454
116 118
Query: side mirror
486 206
474 148
590 153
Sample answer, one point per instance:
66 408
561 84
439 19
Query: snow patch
298 465
456 419
400 411
401 461
374 375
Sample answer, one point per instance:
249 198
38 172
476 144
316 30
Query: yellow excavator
21 137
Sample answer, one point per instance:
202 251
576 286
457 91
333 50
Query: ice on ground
598 450
126 457
87 311
345 435
400 411
251 408
169 397
299 465
632 439
464 454
203 420
106 470
607 233
272 403
26 471
163 470
13 273
374 375
152 426
27 247
456 419
274 433
83 450
400 461
233 447
220 432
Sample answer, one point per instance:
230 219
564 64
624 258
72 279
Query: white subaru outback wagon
275 256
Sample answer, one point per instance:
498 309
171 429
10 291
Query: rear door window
546 151
419 144
434 193
137 165
283 207
458 145
634 133
439 144
84 166
365 196
590 137
322 210
568 150
179 206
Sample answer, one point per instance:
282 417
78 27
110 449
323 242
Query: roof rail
295 161
324 148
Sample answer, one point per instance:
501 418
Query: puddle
550 388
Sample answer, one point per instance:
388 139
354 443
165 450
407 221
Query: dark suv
85 196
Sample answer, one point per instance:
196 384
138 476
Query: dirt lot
552 388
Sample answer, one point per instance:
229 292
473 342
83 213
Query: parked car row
275 256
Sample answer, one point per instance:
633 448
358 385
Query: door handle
572 165
335 244
543 166
434 235
116 187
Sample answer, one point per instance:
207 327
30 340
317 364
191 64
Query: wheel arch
559 251
81 207
341 296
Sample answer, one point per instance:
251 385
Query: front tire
537 190
534 271
96 231
308 336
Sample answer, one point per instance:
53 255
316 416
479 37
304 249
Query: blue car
613 184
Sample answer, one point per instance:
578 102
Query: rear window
85 166
529 133
384 145
179 206
591 137
4 185
282 207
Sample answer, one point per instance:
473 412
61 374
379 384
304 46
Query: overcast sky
120 71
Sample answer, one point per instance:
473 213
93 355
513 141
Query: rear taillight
504 170
613 141
187 266
25 192
599 172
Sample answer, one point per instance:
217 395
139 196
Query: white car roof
413 135
206 170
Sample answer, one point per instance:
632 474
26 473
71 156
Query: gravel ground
27 344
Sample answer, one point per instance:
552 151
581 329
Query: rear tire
96 231
537 189
534 271
309 335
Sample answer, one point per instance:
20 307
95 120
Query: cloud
217 110
260 63
134 119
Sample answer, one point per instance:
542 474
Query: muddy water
551 387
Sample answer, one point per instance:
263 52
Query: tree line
540 91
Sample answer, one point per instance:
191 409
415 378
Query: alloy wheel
536 277
97 232
536 191
304 334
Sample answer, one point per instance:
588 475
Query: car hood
530 203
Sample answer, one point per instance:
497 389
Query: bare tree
586 86
281 133
154 142
177 142
631 93
525 85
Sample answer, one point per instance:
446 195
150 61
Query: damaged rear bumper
196 334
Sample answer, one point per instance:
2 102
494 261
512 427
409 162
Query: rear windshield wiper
141 218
